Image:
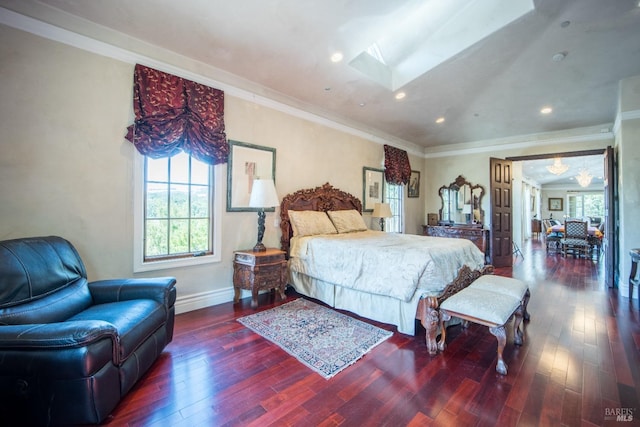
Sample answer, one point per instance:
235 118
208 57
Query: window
394 196
175 213
582 205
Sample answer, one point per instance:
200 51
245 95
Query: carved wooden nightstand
256 271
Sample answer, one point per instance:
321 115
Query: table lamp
382 211
263 195
466 210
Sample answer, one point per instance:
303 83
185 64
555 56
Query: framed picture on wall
246 163
372 188
414 184
555 204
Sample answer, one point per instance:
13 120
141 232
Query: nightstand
256 271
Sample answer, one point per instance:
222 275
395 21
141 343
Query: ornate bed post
429 316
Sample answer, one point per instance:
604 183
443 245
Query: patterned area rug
323 339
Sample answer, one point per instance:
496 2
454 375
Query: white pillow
347 221
310 223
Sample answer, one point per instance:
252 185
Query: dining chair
596 241
576 238
551 238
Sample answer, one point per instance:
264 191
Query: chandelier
584 178
557 168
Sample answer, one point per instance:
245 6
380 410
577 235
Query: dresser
536 228
478 235
256 271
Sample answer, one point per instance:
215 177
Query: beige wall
628 175
65 168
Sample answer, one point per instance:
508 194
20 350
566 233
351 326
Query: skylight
431 32
374 51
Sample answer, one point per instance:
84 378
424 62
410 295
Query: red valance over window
174 114
397 169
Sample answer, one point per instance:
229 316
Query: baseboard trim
207 299
204 299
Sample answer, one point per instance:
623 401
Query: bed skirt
371 306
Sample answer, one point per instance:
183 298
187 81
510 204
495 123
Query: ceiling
492 89
536 170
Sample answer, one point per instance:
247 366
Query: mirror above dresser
461 214
461 203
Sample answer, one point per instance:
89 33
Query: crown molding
597 133
235 88
624 116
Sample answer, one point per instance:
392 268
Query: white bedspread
390 264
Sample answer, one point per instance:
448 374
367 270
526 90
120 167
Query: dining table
559 228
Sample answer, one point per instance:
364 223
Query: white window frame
401 199
139 264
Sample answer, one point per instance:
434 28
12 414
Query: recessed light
337 57
362 104
546 110
327 89
400 95
565 24
559 56
440 120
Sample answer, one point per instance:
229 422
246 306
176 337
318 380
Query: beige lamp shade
263 194
381 210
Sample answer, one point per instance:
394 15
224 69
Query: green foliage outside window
582 205
177 207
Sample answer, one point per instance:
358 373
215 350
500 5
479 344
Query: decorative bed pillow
347 221
310 223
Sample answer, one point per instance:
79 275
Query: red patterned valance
397 169
174 114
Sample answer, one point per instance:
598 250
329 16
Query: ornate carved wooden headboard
324 198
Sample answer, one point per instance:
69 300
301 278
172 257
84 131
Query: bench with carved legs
490 301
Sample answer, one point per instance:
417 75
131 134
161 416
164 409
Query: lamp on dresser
263 195
466 210
382 211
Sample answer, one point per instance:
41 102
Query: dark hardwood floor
579 366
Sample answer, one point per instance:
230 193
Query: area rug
323 339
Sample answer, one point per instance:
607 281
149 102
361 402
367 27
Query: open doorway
572 201
559 188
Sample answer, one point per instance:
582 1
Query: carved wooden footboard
428 312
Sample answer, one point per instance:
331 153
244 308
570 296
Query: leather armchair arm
56 335
66 349
161 289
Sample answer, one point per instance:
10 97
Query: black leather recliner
70 349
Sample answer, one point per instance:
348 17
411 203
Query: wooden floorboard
579 364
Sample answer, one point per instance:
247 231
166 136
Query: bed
387 277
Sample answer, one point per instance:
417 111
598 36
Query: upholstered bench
505 285
491 302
